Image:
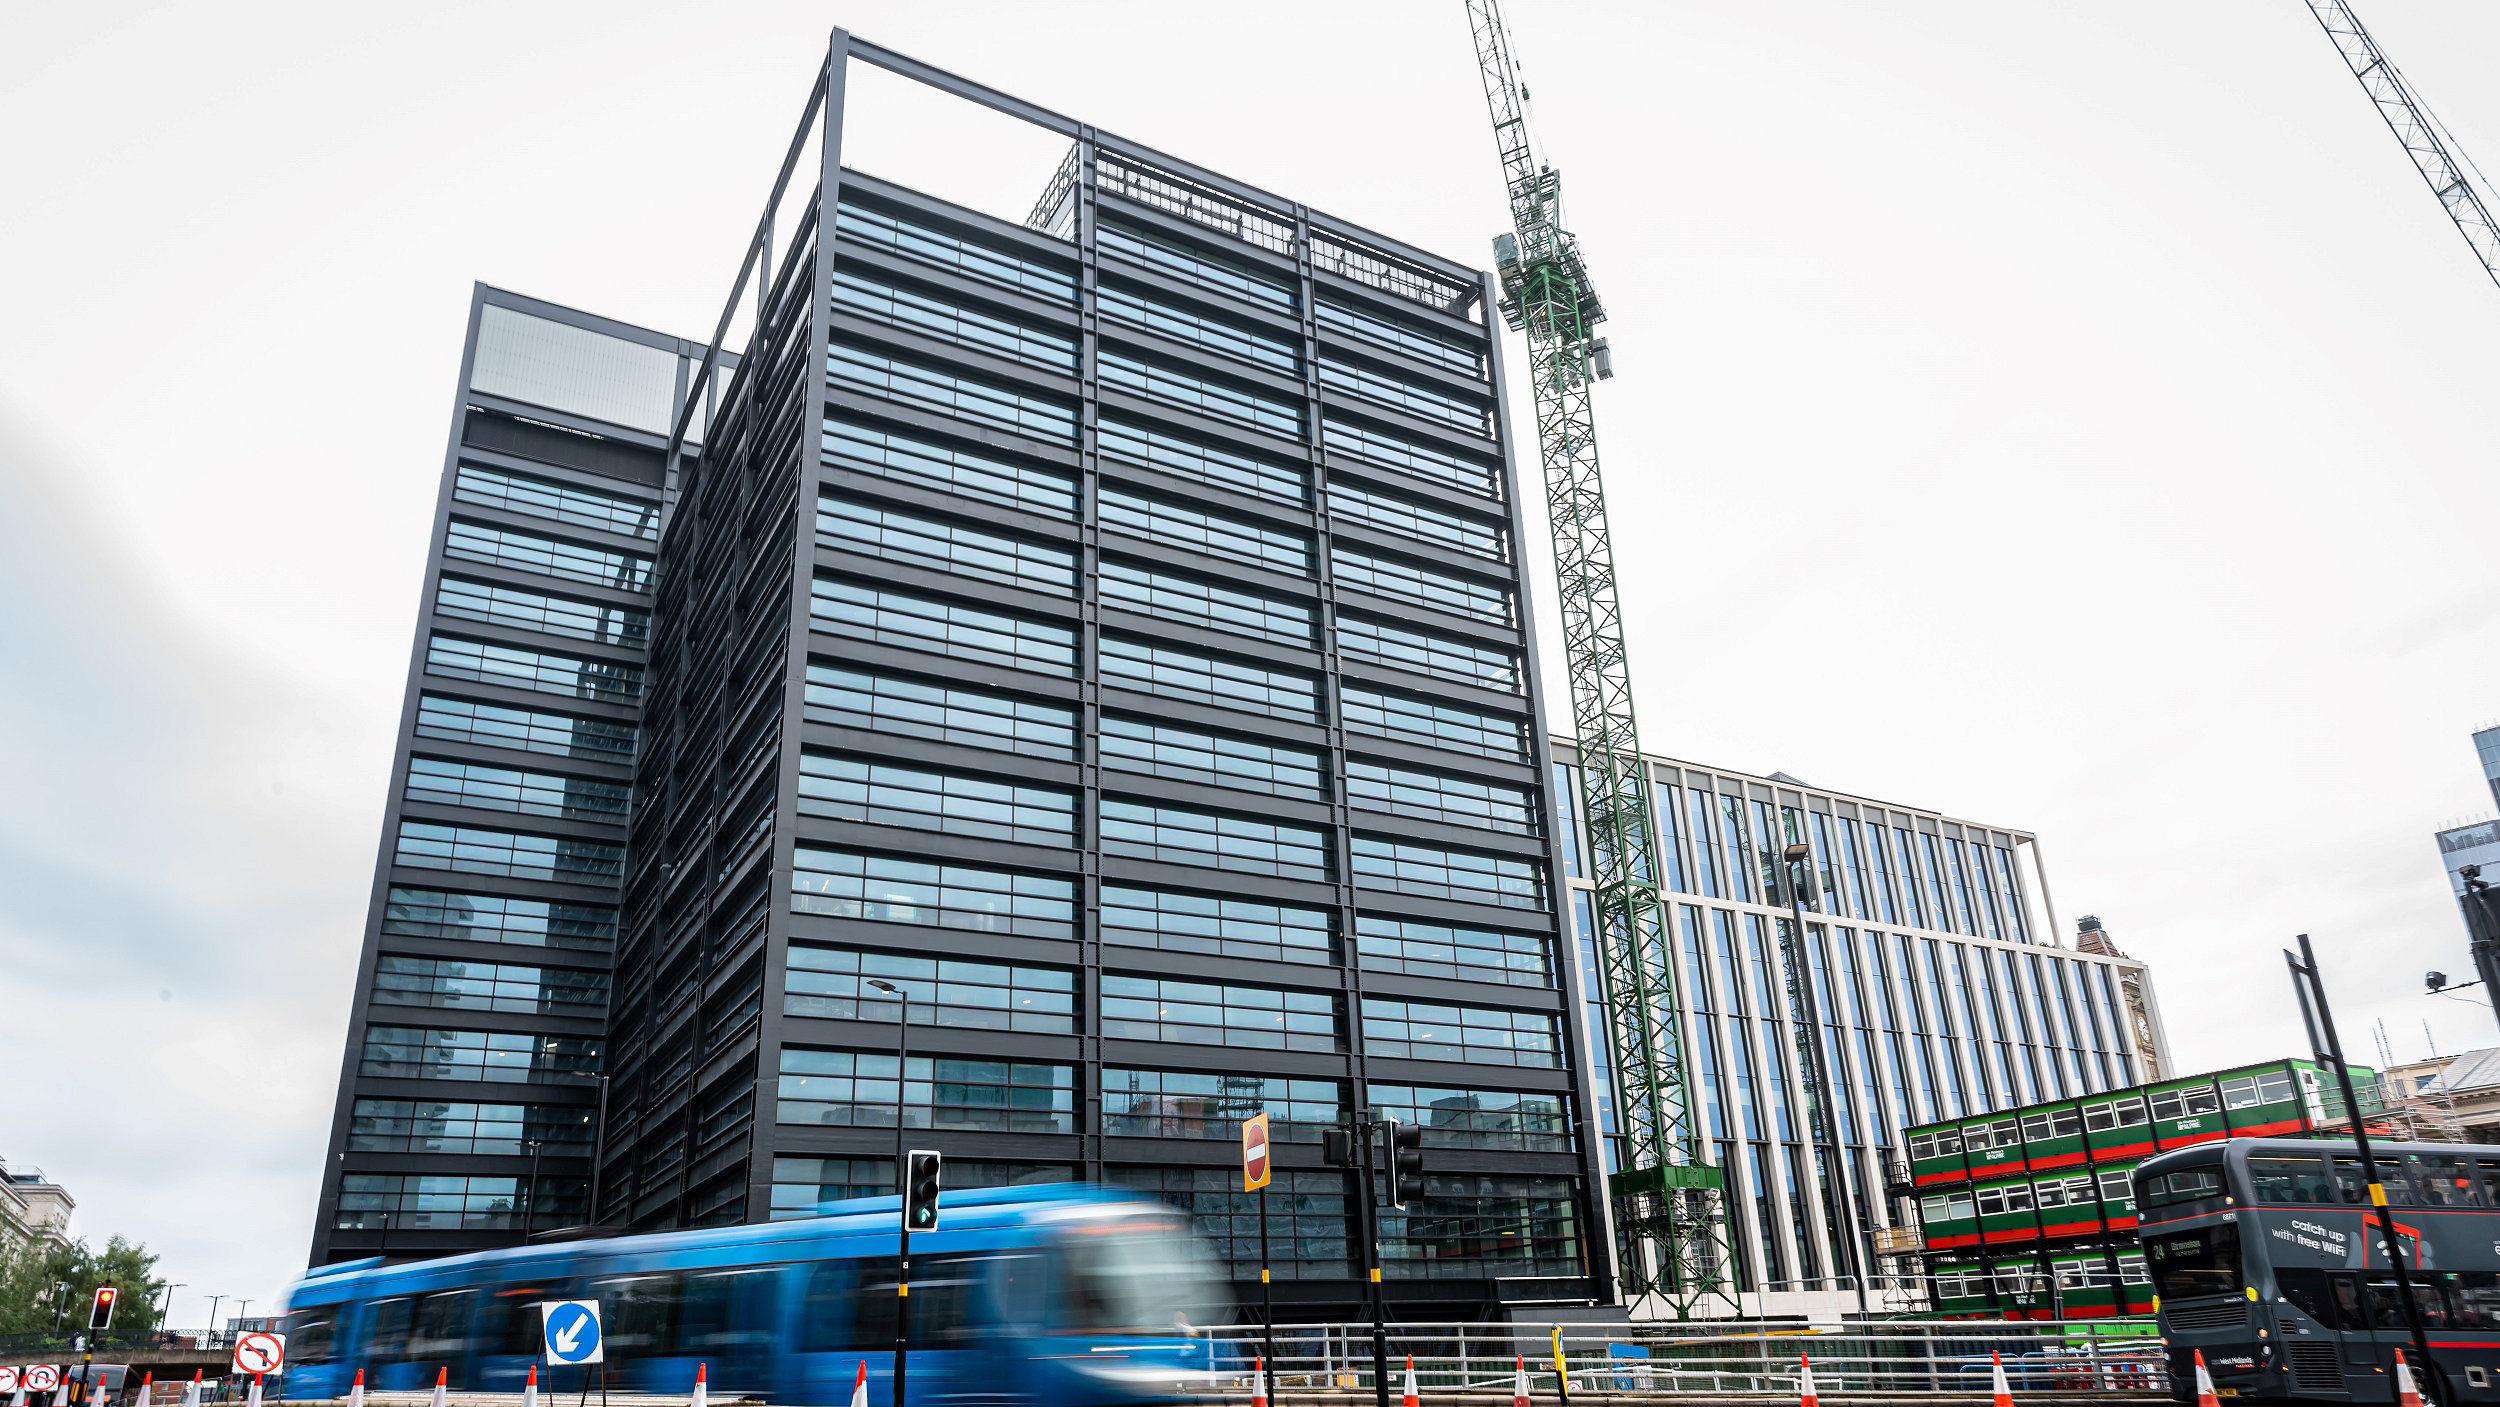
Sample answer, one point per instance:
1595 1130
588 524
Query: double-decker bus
1038 1295
2266 1255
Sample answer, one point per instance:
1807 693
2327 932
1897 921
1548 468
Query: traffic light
920 1189
1406 1163
101 1315
1336 1147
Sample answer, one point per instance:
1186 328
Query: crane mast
1670 1221
2413 127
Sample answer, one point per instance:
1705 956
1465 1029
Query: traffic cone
191 1394
60 1395
1805 1383
2406 1396
1519 1386
147 1389
355 1394
699 1398
254 1399
1258 1380
1409 1399
529 1390
859 1386
442 1387
1996 1381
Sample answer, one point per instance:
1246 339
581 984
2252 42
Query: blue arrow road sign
572 1331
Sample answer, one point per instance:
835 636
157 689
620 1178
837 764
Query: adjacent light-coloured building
1939 980
32 1207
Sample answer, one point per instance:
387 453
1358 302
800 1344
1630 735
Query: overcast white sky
2067 415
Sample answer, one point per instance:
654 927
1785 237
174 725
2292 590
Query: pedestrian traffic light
920 1189
101 1315
1336 1147
1406 1163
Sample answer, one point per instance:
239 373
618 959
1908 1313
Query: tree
29 1271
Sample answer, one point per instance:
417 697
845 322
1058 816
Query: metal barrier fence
1717 1356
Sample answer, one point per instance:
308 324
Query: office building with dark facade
1109 629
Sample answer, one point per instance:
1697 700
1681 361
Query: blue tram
1037 1295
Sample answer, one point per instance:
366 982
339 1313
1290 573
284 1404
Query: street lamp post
529 1203
1819 1095
902 1194
213 1302
60 1305
165 1316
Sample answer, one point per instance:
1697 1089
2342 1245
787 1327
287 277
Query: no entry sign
1254 1162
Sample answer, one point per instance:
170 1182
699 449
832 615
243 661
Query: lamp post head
1795 852
886 987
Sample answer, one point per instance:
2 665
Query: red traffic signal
100 1316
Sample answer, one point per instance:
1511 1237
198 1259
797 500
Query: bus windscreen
2202 1261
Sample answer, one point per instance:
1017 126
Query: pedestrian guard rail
1707 1356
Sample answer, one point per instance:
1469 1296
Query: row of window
495 918
474 784
482 986
2243 1092
572 561
423 1053
557 502
433 1126
392 1202
523 729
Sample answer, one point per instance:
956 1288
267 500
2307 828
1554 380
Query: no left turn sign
8 1380
260 1353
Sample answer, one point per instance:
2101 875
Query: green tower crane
1670 1216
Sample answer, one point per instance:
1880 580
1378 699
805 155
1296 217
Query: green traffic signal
922 1178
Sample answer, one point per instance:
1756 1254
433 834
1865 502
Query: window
916 461
1951 1206
2118 1189
950 713
481 851
1131 745
1216 398
1411 868
531 669
455 1204
2005 1133
418 1053
931 245
1201 1013
507 547
846 1088
2000 1199
1460 801
1218 927
938 546
563 503
1464 412
503 789
2053 1123
912 309
1183 262
1407 518
862 612
2186 1185
1388 332
1389 576
1180 837
2273 1179
2186 1264
431 1126
1172 596
888 794
1222 683
1475 1034
1197 530
884 889
1473 1225
1306 1225
2120 1113
1379 642
493 918
553 615
1177 1104
2184 1103
485 986
494 725
1208 464
800 1183
1422 949
1513 1120
2063 1191
1387 715
2264 1087
948 394
1383 448
984 996
1148 314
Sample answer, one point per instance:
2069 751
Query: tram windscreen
2203 1261
1138 1280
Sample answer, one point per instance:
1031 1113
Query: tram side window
943 1310
2444 1179
441 1329
510 1325
638 1313
2288 1180
386 1341
2477 1295
725 1308
825 1310
310 1333
2354 1188
2186 1185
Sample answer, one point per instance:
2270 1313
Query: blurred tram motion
1041 1295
